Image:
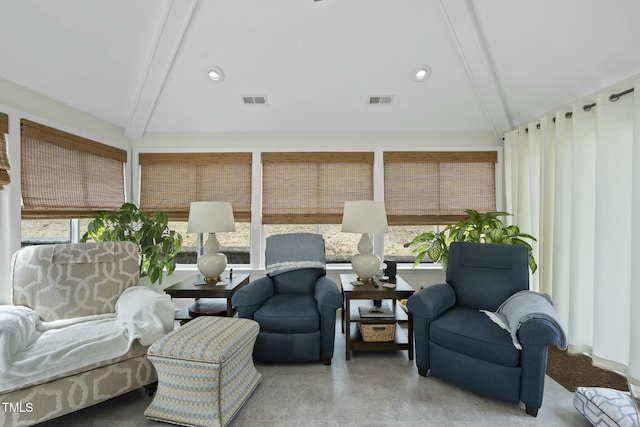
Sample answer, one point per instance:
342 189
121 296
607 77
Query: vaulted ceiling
142 65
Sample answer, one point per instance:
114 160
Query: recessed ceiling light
421 73
215 74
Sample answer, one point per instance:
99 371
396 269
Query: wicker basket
377 333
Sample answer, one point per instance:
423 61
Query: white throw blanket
32 351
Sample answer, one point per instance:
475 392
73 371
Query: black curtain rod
613 98
587 107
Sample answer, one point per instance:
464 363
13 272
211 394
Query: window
398 235
423 188
60 178
311 188
45 231
339 246
235 245
305 192
4 157
171 181
59 182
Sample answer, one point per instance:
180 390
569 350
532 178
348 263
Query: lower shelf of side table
400 341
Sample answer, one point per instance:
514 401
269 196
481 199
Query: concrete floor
372 389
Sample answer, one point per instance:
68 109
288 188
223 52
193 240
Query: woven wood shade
311 188
67 176
171 181
436 187
4 157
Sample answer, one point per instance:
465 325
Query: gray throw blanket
523 306
294 251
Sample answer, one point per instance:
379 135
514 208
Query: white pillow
606 407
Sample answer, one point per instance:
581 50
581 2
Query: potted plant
478 227
157 244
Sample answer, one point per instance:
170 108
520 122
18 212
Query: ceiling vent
380 99
254 100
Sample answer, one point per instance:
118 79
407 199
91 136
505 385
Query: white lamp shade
210 217
364 216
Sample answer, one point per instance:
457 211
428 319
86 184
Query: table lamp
365 216
211 217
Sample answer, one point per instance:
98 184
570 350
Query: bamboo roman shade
171 181
4 157
436 187
68 176
311 188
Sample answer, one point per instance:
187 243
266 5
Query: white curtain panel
547 203
522 176
634 291
511 174
563 158
614 142
579 177
581 258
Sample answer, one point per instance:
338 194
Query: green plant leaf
435 252
419 257
474 235
477 227
157 244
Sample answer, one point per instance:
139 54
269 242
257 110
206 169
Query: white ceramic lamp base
211 263
365 264
212 266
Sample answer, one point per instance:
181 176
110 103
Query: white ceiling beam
465 32
162 55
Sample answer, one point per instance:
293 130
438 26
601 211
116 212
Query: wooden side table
351 315
209 297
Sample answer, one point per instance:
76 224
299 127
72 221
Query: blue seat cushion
289 313
471 332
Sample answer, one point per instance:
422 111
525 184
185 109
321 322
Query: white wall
23 100
315 140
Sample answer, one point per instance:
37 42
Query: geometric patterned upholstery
606 407
73 280
205 371
74 392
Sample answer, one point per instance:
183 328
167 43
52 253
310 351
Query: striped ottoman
205 371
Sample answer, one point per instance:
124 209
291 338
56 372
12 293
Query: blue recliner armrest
329 298
432 301
249 298
425 306
538 332
327 293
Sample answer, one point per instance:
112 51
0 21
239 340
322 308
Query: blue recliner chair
295 303
460 344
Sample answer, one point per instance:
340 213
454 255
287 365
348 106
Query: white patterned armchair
55 285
